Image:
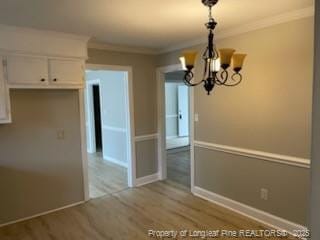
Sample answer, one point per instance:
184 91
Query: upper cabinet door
26 70
66 72
5 116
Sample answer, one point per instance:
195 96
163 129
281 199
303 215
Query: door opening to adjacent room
177 111
97 116
109 135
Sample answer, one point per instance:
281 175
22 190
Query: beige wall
145 101
315 162
144 84
270 111
38 172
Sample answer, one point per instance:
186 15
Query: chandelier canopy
216 62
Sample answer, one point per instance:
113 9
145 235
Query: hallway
105 177
179 167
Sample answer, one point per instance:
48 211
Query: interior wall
114 112
315 163
39 171
270 111
145 100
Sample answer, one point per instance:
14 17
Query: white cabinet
66 72
26 70
5 116
44 72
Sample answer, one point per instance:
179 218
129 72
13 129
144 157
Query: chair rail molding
147 137
265 156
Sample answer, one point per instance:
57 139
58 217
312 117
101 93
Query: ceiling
139 23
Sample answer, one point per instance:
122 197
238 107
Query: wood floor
129 214
177 142
178 164
105 177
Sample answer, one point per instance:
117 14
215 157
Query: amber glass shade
237 61
225 57
189 58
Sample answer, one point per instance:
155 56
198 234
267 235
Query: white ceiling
141 23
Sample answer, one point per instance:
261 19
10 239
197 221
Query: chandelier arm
217 80
224 76
188 77
234 78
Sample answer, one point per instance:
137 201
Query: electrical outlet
60 134
264 194
196 117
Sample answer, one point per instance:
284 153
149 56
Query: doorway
109 127
97 116
177 112
175 127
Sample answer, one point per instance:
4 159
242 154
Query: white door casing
183 111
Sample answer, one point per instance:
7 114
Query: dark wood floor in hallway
178 164
130 214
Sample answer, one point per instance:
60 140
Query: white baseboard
250 212
147 179
172 137
41 214
115 161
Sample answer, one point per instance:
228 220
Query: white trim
191 138
147 179
30 86
131 165
84 145
115 129
41 214
118 48
172 116
172 137
272 157
162 156
147 137
3 81
249 27
52 34
249 212
115 161
91 129
13 39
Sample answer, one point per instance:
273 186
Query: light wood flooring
105 177
178 167
177 142
129 215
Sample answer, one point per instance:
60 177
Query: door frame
131 170
162 156
180 128
91 129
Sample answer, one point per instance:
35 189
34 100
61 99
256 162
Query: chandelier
214 61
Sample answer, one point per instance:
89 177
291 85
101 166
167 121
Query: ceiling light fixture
214 60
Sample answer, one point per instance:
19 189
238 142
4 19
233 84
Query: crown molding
119 48
38 32
20 40
249 27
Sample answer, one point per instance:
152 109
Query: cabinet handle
42 80
55 79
